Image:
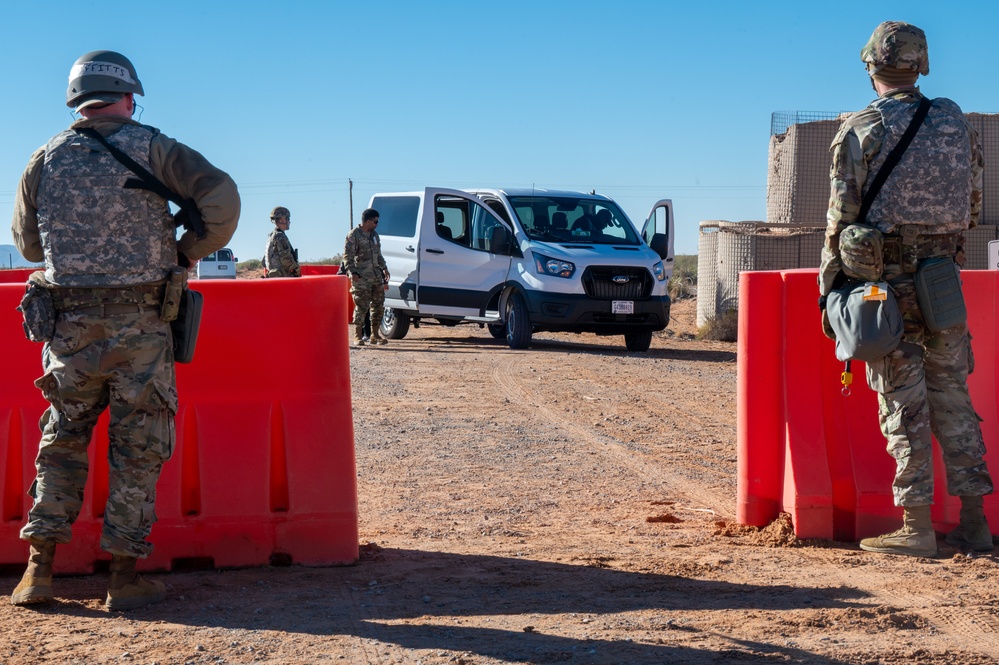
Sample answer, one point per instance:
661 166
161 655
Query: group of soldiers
362 262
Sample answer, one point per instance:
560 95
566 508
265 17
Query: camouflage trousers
922 391
121 360
368 295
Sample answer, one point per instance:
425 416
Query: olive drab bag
938 292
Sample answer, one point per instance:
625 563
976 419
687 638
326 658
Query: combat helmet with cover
280 211
101 76
897 45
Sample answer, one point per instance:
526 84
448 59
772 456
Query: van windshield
574 220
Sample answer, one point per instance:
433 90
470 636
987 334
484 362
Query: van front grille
617 283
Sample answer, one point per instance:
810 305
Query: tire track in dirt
503 372
967 623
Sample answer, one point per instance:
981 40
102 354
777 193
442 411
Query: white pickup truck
525 260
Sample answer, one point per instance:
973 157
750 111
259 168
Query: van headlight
553 267
659 271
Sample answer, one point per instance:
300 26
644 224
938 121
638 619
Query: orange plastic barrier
332 270
264 466
320 270
806 448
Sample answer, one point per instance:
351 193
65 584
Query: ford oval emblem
620 279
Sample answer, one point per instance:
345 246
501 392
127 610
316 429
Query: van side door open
465 255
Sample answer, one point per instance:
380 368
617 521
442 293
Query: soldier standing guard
930 198
369 276
280 259
108 251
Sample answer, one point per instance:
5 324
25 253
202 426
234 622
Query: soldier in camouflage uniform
363 261
107 252
933 195
280 259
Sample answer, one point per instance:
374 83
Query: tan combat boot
376 337
127 590
973 531
36 584
358 335
915 538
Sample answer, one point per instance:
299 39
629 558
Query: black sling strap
189 217
894 157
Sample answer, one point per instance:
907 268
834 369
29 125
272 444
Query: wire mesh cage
797 201
987 126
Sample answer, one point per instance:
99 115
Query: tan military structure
797 200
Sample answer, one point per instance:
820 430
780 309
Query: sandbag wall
263 470
806 448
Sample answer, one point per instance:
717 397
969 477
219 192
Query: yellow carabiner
846 378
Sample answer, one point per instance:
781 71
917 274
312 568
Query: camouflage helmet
280 210
101 74
897 45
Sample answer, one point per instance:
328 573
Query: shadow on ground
430 600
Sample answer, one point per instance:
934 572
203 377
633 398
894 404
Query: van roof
537 191
510 191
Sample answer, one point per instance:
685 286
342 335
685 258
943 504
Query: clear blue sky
639 100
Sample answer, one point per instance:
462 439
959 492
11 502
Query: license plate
622 307
223 267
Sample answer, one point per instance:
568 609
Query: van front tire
394 324
518 323
640 341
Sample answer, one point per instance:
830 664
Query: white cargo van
218 265
525 260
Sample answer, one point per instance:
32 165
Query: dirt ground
571 503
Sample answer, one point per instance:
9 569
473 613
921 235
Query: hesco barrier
806 448
263 471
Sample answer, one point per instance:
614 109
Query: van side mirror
660 245
499 240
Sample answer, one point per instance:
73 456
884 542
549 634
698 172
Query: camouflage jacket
362 255
937 184
280 260
180 168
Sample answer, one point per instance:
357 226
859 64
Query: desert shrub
683 283
334 260
685 266
252 264
721 328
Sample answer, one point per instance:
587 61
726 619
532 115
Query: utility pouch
38 309
175 286
861 250
185 326
866 320
938 291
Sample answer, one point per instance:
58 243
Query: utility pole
350 189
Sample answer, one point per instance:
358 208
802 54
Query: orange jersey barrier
263 470
806 448
332 270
